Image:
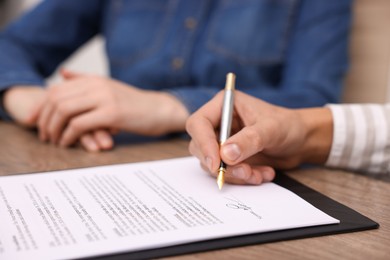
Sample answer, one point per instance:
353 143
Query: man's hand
23 104
85 103
264 137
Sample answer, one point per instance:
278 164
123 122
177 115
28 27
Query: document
130 207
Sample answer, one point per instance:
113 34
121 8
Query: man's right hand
265 137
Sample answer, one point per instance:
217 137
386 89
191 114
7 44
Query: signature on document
235 203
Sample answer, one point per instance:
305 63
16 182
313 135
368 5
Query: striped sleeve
361 138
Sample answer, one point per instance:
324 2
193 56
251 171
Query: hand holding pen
243 152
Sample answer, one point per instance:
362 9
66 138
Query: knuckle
254 136
190 125
76 125
273 126
255 178
62 109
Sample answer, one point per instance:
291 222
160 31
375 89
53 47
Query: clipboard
350 221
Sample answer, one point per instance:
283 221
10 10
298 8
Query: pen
226 122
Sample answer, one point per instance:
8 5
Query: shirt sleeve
34 45
314 65
316 56
361 138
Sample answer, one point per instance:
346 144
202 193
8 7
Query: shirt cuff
339 133
361 138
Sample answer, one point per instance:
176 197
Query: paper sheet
121 208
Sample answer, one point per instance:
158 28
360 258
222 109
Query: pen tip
220 179
220 185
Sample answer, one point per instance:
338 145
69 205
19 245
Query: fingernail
209 163
239 173
231 151
268 175
106 143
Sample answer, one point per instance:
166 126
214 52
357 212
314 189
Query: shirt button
190 23
177 63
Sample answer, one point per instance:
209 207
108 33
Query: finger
204 145
32 119
245 174
207 152
54 96
96 119
42 120
104 139
267 173
63 111
205 163
244 144
89 143
249 174
201 127
208 162
211 111
195 151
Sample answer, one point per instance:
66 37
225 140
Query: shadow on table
128 138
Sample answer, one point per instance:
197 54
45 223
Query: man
167 58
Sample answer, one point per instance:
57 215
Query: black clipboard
350 221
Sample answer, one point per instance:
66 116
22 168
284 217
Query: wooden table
21 152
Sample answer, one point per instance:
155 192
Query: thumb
244 144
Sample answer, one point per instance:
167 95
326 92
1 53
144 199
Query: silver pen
226 121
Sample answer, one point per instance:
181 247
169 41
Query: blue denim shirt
288 52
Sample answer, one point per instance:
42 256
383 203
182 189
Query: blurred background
89 59
368 79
